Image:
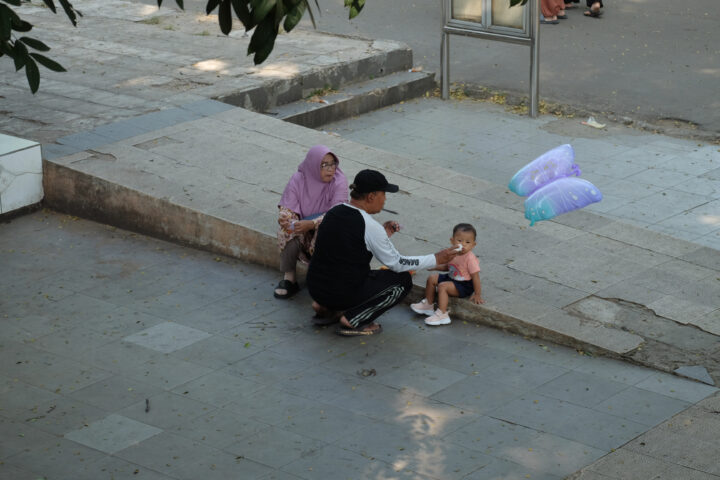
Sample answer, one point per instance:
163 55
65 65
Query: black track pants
382 290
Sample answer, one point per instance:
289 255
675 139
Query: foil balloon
555 163
560 196
550 182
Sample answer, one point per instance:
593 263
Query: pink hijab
306 193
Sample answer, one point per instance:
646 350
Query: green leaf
9 21
33 43
261 8
309 10
225 17
263 40
7 11
356 7
264 52
70 11
33 75
262 34
294 16
5 22
180 4
20 55
279 13
48 63
211 5
51 5
21 26
6 49
242 12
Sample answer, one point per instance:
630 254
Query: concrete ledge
91 197
356 99
558 327
392 58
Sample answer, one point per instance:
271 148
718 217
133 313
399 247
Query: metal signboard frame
527 34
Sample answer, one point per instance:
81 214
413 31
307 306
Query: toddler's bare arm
476 297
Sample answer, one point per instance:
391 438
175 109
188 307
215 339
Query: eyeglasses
329 166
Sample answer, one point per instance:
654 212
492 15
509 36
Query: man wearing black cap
339 277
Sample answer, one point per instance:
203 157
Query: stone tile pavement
129 357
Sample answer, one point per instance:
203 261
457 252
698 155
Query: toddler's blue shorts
464 287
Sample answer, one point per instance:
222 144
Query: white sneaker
438 318
423 307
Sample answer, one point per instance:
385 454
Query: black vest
341 261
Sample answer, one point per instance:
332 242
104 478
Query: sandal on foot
549 22
593 14
291 288
344 331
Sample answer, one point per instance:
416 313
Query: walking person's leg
550 10
594 8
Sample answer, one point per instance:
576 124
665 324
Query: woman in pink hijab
318 185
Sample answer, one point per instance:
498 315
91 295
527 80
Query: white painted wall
20 173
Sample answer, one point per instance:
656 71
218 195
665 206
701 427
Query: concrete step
380 59
355 99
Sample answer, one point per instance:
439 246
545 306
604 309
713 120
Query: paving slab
112 434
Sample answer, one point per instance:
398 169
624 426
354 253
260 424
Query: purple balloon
560 196
551 165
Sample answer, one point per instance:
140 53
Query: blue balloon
553 164
560 196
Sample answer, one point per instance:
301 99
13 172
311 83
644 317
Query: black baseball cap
367 181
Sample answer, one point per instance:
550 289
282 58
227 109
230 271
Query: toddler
462 279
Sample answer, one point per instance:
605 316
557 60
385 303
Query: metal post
534 58
445 53
445 66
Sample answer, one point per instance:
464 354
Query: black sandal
291 288
344 331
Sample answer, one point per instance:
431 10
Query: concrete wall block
288 92
77 193
355 102
20 173
399 60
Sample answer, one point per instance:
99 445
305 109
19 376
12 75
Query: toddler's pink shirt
463 266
